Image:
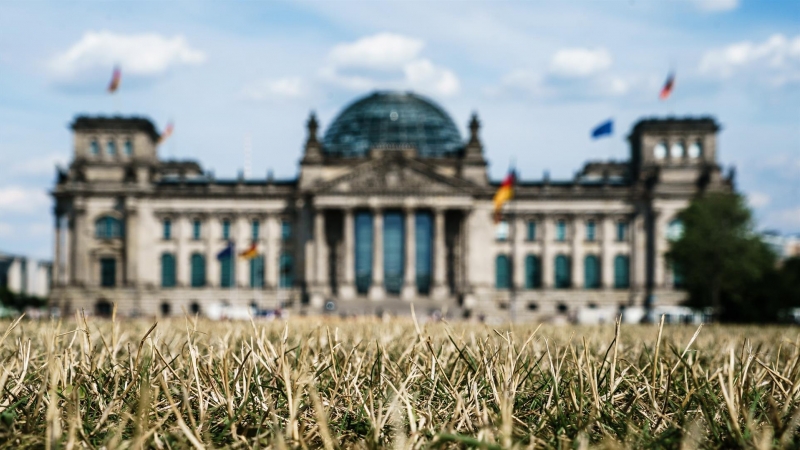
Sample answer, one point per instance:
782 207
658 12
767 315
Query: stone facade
120 209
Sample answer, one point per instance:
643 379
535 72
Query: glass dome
392 119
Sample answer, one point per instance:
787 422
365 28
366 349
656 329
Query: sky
540 75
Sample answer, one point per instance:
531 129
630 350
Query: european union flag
227 252
604 129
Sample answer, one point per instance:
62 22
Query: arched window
257 272
563 272
286 270
108 227
533 272
622 272
591 272
502 272
111 148
167 270
198 270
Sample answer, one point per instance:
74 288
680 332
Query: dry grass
338 384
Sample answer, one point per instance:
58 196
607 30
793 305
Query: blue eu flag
226 252
604 129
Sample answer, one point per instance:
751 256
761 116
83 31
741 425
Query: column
607 253
320 286
347 288
409 276
131 244
661 246
439 254
79 253
183 228
272 237
377 291
638 257
56 276
68 261
548 258
242 237
578 252
212 234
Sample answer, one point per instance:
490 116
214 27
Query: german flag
251 252
504 193
116 78
666 91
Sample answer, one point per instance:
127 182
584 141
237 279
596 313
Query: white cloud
390 61
758 199
39 166
716 5
383 51
424 75
283 88
23 200
777 58
144 55
580 62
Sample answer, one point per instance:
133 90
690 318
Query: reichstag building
391 207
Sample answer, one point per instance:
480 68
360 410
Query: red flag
667 89
116 77
167 133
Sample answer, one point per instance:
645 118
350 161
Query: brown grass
330 383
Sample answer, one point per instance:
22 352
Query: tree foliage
726 265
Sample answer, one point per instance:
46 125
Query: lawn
365 383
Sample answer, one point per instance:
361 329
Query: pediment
394 176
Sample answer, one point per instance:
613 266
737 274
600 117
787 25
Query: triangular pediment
395 175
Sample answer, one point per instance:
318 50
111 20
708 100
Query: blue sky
540 74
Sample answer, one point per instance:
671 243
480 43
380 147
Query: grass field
315 383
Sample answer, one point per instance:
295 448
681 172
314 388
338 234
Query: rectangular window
502 272
423 243
226 229
257 272
533 272
197 230
561 231
108 272
95 147
167 229
590 231
622 272
226 275
622 231
393 251
198 270
254 229
111 148
531 231
286 230
363 250
129 147
167 270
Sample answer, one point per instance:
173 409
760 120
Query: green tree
725 264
